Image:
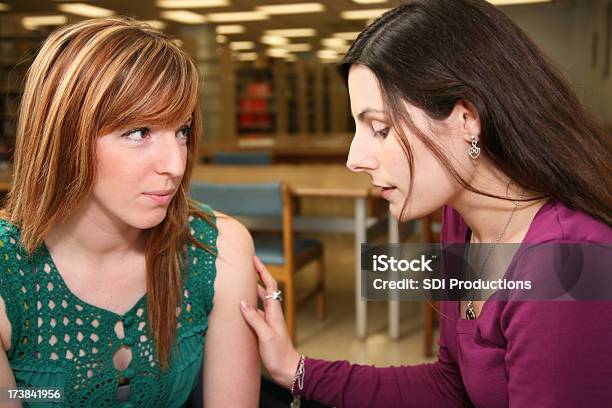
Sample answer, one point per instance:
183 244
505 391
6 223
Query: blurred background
275 109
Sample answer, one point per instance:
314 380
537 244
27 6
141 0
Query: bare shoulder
235 250
234 238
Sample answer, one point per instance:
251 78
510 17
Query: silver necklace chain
470 312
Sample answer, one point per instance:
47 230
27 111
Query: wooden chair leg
428 328
321 303
289 300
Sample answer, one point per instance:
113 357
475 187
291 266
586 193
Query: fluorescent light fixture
277 52
336 44
369 1
169 4
86 10
293 32
349 36
247 56
294 8
221 39
183 16
156 24
35 22
237 16
296 47
362 14
333 43
512 2
4 7
230 29
273 40
327 54
242 45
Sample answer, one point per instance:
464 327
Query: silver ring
278 295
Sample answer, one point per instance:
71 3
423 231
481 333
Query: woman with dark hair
455 106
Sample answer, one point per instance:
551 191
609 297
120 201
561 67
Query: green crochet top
60 341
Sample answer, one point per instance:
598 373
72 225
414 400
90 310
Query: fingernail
244 305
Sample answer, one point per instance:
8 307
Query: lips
160 192
383 188
159 197
385 191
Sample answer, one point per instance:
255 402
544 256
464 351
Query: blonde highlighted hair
89 79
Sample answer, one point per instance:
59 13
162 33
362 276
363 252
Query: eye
136 135
184 132
381 133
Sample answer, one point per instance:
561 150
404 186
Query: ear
466 120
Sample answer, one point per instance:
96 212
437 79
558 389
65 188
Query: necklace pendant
470 313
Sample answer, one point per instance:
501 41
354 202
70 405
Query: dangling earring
474 151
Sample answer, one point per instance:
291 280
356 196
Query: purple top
517 354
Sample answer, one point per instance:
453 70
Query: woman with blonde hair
108 273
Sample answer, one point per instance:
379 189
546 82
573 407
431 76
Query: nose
172 155
361 155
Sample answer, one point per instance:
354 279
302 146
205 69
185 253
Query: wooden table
319 180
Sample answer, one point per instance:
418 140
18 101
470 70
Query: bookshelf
277 98
18 47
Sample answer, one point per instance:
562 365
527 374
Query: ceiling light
237 16
242 45
191 3
247 56
296 47
35 22
349 36
183 16
156 24
221 39
336 44
327 54
277 52
362 14
230 29
512 2
293 32
86 10
333 42
274 40
295 8
4 7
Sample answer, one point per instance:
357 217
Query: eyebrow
368 111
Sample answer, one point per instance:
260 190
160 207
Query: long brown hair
89 79
434 53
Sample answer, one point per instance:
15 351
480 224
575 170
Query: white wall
564 30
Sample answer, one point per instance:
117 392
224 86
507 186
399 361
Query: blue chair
284 255
257 158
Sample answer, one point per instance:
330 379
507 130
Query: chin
150 221
409 214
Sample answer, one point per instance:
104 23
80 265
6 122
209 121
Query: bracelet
299 375
299 379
